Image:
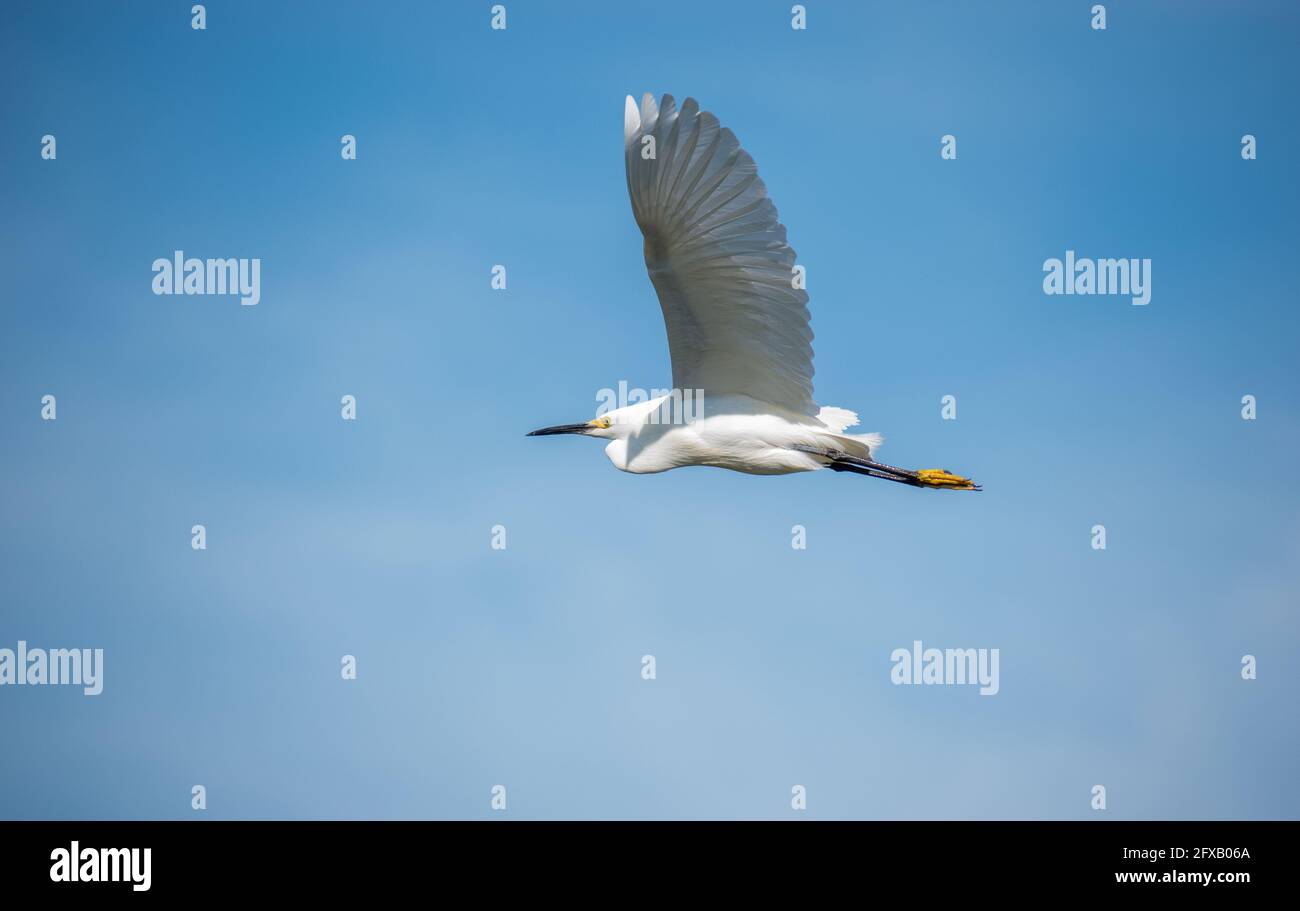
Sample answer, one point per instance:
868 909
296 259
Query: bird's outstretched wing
718 258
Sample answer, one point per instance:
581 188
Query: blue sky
522 667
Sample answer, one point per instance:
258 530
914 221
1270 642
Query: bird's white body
736 313
735 432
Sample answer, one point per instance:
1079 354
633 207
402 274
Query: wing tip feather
631 119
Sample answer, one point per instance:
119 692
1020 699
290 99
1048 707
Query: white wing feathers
718 258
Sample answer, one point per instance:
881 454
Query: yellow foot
937 477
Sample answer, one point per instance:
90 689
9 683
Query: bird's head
601 427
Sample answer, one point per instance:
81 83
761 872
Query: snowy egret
736 314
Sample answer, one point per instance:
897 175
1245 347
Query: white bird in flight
738 326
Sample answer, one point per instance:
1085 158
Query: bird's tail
862 445
872 441
837 420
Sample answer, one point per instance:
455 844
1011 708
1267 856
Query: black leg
858 469
842 461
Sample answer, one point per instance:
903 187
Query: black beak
561 428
